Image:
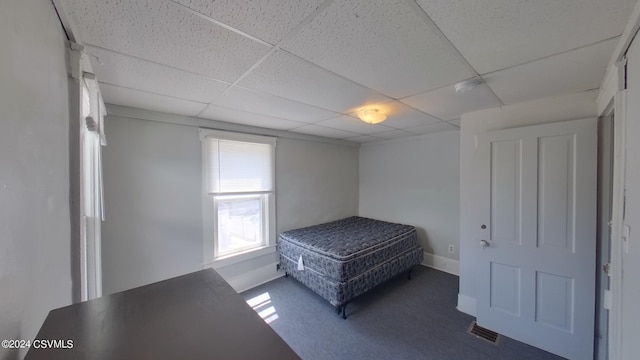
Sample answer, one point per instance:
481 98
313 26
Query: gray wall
153 227
415 181
35 272
152 176
315 183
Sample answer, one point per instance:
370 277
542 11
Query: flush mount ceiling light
372 116
466 86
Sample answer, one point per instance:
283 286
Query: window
91 136
238 205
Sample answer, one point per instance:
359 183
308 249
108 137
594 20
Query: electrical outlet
452 248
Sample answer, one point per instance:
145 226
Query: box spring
345 258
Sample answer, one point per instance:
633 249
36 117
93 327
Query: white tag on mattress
300 264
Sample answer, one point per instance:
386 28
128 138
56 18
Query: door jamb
617 223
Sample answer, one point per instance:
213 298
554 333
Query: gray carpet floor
400 319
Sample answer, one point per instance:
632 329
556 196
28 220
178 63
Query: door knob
484 243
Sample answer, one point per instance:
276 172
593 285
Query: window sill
227 260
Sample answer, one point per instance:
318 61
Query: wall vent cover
484 334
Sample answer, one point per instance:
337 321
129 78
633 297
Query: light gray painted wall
315 183
35 245
152 175
568 107
153 227
415 181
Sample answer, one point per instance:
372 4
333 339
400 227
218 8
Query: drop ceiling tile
400 116
574 71
432 128
324 132
121 70
363 139
394 134
288 76
246 118
455 122
494 34
166 33
271 105
383 44
143 100
269 20
348 123
446 104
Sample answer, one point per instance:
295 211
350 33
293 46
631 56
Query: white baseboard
441 263
467 304
253 278
250 279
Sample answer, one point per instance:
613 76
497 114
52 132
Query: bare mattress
344 258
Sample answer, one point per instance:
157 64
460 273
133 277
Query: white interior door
537 235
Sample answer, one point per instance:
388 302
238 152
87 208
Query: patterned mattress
345 258
343 249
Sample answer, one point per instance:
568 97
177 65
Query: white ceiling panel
494 34
164 32
363 139
269 20
348 123
401 116
334 58
446 104
324 132
247 118
285 75
455 122
574 71
432 128
393 134
383 44
126 71
271 105
144 100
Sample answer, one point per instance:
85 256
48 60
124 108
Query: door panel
536 259
505 191
554 301
555 192
505 288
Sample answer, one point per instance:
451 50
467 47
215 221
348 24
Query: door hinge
625 238
622 73
606 268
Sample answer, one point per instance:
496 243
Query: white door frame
613 96
617 224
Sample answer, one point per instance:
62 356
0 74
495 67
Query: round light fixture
372 116
466 86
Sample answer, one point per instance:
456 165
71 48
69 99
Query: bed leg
286 274
344 311
409 274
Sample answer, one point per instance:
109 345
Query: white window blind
238 195
237 167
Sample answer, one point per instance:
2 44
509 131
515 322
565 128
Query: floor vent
484 334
